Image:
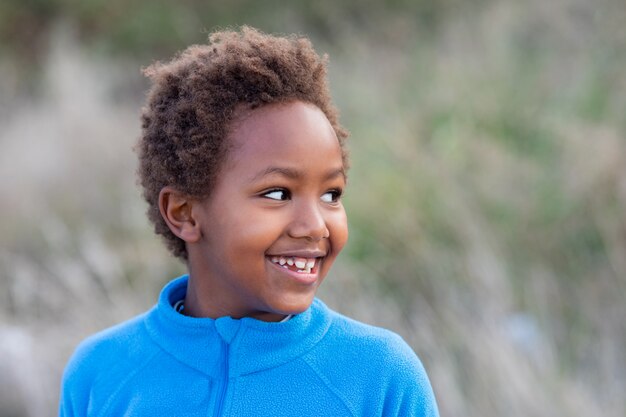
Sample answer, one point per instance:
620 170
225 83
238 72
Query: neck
197 305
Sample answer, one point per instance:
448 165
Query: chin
293 306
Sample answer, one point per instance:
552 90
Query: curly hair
196 97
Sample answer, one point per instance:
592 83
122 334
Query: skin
278 194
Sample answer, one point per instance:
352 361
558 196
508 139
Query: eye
277 194
331 196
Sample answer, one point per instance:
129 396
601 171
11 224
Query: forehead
293 135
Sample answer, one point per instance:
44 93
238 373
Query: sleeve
76 383
409 393
66 408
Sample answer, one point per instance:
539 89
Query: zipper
224 386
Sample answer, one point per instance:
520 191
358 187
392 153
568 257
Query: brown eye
331 196
278 194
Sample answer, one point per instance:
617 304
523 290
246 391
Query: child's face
276 202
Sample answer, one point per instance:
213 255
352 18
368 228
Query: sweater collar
248 345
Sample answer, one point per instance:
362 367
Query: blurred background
487 195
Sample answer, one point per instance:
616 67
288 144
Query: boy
243 164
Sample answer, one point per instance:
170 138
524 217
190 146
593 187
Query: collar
249 345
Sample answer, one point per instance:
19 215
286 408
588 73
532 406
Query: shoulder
125 341
353 337
374 368
109 355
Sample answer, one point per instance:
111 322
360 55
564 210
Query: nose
308 222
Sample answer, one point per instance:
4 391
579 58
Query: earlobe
176 209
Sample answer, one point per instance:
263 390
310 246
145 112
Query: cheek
255 232
338 228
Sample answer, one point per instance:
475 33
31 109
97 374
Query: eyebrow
293 173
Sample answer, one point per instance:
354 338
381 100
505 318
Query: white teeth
304 265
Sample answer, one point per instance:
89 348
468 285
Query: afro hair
195 98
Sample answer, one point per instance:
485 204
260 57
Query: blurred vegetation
152 27
487 194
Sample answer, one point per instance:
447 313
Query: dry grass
486 202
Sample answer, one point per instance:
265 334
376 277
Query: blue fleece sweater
319 363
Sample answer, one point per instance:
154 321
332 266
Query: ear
176 209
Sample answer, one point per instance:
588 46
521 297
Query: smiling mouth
296 264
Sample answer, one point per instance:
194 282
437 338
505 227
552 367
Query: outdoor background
487 198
